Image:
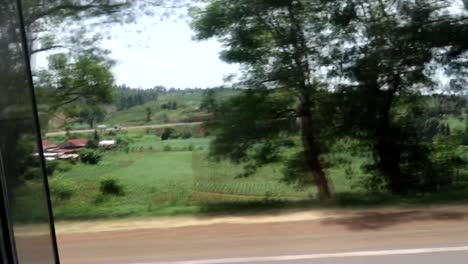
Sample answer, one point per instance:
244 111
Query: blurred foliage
89 156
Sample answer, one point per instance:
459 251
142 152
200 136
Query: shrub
165 118
295 171
32 173
91 157
171 105
111 187
167 148
73 161
169 133
100 198
372 182
93 142
67 129
464 137
51 166
123 142
61 191
349 172
186 135
63 166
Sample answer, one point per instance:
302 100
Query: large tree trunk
300 61
388 165
387 150
312 155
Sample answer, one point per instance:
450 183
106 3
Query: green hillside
186 109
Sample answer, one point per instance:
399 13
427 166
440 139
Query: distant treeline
448 104
128 97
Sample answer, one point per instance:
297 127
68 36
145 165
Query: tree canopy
393 52
55 24
77 87
330 68
271 40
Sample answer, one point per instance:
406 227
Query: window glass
166 121
19 152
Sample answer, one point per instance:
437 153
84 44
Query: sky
156 52
161 52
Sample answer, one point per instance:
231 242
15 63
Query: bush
165 118
372 181
167 148
73 161
67 129
295 171
186 135
63 166
92 144
169 133
123 142
51 166
100 199
91 157
464 138
171 105
111 187
32 173
61 192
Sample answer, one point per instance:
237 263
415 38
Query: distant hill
168 107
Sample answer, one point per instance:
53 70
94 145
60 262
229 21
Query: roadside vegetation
149 174
336 104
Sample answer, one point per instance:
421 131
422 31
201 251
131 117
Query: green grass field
158 181
171 177
152 142
151 182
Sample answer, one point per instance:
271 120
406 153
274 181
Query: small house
107 143
78 143
48 146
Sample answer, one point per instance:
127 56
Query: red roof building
75 143
67 150
47 145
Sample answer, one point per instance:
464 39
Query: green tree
273 41
67 26
390 61
149 114
208 102
91 114
79 83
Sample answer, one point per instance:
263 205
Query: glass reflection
19 147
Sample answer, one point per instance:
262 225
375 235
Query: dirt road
383 236
87 131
